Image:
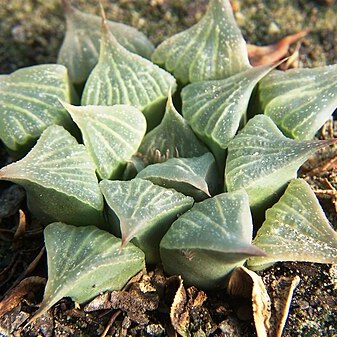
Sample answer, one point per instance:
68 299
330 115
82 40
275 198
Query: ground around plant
31 33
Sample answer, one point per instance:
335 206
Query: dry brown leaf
259 55
138 297
178 313
284 289
100 302
14 297
244 282
183 302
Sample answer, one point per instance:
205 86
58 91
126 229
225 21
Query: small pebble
155 330
273 28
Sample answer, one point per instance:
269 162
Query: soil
31 33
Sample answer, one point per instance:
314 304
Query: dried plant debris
183 303
282 297
246 283
259 55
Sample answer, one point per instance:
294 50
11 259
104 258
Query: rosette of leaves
205 242
80 49
29 103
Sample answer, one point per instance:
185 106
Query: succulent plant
180 188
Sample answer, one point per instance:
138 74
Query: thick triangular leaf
262 160
300 101
80 48
215 109
60 180
212 49
84 261
110 134
197 177
207 242
29 103
121 77
296 229
144 211
172 138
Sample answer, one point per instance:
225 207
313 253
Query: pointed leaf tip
59 179
207 242
173 137
262 160
197 177
130 79
111 135
216 109
211 49
295 229
142 212
97 266
80 48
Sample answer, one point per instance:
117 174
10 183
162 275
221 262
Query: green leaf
212 49
80 48
207 242
110 134
85 261
196 177
60 180
215 109
300 101
145 212
29 103
262 160
296 229
121 77
134 165
172 138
